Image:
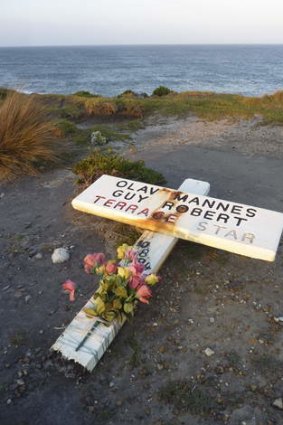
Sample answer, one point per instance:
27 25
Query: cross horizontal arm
234 227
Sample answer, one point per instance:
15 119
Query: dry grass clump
100 108
118 107
26 138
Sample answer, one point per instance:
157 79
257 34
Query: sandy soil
248 137
156 371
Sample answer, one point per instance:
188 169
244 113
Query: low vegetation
26 138
161 91
209 106
27 134
185 396
130 106
84 93
99 163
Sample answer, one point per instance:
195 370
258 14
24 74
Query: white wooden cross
187 214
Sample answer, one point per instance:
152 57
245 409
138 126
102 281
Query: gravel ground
206 351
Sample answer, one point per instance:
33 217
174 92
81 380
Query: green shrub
161 91
127 93
83 93
66 127
97 163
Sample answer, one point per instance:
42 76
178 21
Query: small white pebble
60 255
278 403
208 352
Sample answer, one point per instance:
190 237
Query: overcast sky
87 22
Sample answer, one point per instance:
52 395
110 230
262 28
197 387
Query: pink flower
93 260
69 287
131 254
143 294
111 268
136 268
136 281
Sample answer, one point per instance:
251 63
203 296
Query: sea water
250 70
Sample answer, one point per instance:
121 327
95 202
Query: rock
208 352
96 138
27 298
278 403
211 319
9 401
38 256
60 255
278 319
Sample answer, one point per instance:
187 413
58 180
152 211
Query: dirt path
247 137
157 371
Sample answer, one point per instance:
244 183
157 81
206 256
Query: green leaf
121 292
99 306
117 305
129 308
90 312
103 288
109 316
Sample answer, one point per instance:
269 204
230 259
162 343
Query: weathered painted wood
86 339
238 228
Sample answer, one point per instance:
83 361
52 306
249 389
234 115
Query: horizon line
139 45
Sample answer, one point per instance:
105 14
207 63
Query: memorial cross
186 214
86 339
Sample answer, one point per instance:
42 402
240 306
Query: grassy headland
206 105
30 124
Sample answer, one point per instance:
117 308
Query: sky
99 22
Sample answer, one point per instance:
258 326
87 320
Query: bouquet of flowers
122 284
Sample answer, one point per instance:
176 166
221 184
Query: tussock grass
26 138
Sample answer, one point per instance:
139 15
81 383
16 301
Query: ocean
251 70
